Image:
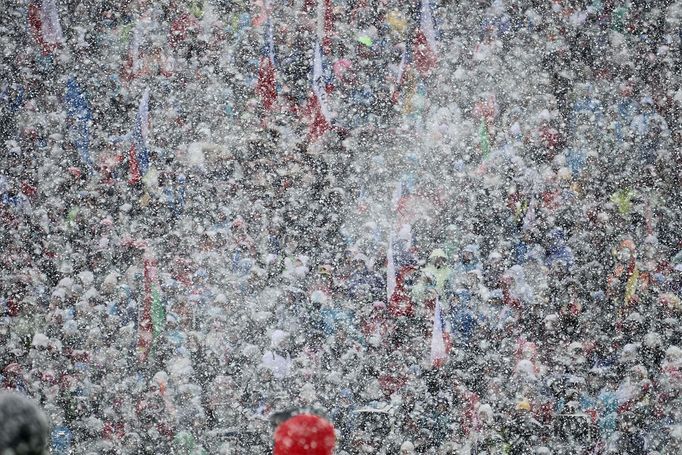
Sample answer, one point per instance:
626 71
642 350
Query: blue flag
78 109
141 132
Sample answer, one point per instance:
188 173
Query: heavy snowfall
450 227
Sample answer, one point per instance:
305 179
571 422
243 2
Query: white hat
40 340
407 447
277 337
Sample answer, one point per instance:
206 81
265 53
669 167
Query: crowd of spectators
522 193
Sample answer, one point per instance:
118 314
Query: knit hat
304 434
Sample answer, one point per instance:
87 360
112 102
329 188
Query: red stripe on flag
134 166
266 86
36 23
424 57
328 26
319 124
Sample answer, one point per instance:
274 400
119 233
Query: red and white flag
425 43
390 269
43 20
400 75
263 13
390 255
266 87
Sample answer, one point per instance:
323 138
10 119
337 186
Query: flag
266 86
139 151
328 26
43 21
133 166
325 23
134 63
631 284
400 76
134 51
529 217
263 13
406 81
438 345
390 256
153 311
390 269
397 195
425 44
144 341
158 312
317 105
419 58
484 138
78 110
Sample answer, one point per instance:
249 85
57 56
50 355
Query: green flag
158 313
484 139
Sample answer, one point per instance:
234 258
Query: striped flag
419 58
390 255
139 151
43 21
266 86
78 110
425 44
438 345
390 269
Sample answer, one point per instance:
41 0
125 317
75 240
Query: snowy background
449 226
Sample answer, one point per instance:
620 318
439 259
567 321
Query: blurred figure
23 426
304 434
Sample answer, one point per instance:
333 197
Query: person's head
23 426
468 255
407 448
438 257
304 434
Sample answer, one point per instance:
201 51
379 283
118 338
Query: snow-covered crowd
457 240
